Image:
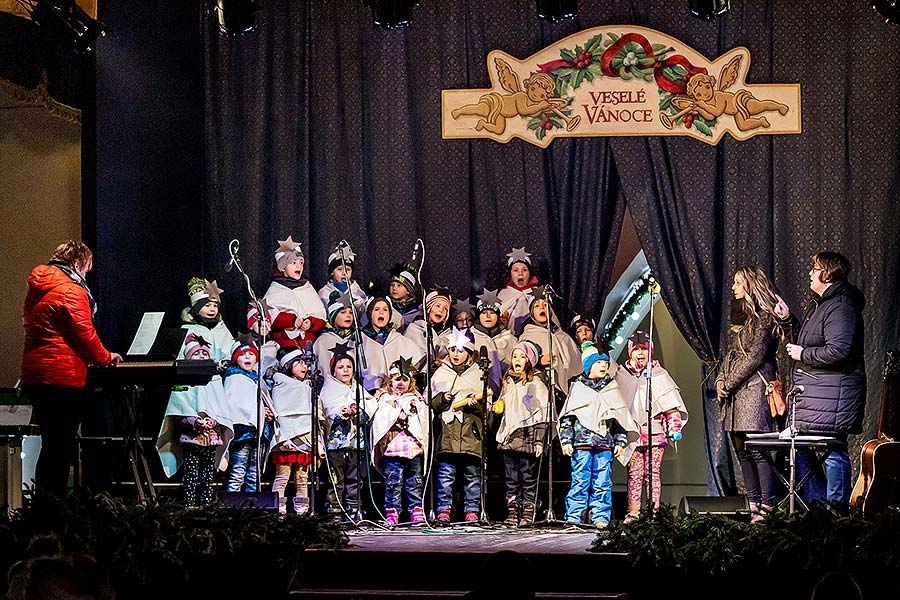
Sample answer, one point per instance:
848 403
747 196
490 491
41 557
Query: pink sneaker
443 516
392 517
471 517
418 515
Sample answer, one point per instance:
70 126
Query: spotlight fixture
391 14
237 17
889 9
556 10
64 22
708 9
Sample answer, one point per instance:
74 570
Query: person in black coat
829 378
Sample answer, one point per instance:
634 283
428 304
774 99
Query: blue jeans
591 485
832 486
470 466
242 467
837 476
400 473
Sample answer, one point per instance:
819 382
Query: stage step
437 595
447 563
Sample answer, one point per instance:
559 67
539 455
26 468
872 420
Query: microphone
798 389
483 361
233 248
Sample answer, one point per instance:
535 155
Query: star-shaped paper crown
463 306
341 348
287 251
337 301
199 289
289 245
334 259
461 339
489 300
403 367
518 255
245 339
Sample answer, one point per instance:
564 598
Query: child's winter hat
438 296
532 352
462 339
589 355
334 259
202 290
405 273
288 250
288 358
371 304
337 301
489 300
579 320
639 339
241 346
518 255
194 343
338 353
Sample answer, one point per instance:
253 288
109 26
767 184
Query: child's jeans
347 474
242 467
400 473
591 485
448 467
197 474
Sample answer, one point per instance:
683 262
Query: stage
447 562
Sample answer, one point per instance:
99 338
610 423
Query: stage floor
473 539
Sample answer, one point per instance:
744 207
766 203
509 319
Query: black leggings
759 476
57 412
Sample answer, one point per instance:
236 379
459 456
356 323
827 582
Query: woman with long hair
750 362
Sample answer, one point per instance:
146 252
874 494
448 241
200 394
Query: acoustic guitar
877 488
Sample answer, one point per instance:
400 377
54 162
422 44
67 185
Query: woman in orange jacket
60 343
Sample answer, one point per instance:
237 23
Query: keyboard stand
135 449
769 444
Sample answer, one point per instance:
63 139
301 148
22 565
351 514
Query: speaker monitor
714 505
260 500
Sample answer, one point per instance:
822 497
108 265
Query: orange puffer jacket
60 339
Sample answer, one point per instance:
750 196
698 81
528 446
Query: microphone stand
233 247
550 518
429 361
313 480
484 363
647 487
793 452
360 362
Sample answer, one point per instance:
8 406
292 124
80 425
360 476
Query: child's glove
675 436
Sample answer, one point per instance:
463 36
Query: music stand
790 440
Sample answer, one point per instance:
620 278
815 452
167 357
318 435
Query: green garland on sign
637 294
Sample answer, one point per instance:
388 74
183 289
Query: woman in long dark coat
749 362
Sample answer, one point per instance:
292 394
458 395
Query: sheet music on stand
146 333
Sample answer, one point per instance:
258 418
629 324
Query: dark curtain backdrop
321 126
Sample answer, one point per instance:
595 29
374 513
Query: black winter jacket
831 368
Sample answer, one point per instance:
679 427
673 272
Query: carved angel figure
704 99
494 108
